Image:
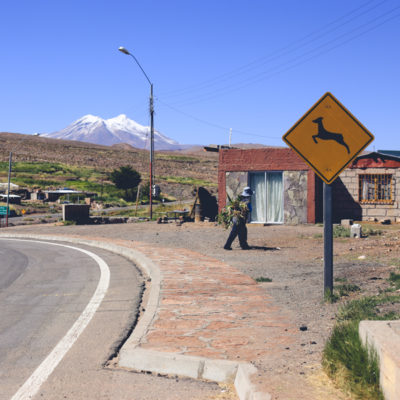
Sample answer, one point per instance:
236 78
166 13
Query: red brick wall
265 159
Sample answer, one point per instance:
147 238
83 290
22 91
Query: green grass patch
187 181
55 175
262 279
177 158
346 288
368 231
351 364
358 310
341 231
347 361
395 262
394 279
68 223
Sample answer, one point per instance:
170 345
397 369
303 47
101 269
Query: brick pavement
210 309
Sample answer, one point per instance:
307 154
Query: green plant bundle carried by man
235 209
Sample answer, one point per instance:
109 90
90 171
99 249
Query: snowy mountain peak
89 118
120 129
121 117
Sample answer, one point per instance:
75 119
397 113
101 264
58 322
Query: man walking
240 216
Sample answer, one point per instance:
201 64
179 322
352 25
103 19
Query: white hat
247 192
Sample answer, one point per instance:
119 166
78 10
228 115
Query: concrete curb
384 337
133 357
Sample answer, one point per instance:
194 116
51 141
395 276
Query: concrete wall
235 182
75 212
384 337
295 197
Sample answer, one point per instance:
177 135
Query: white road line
35 381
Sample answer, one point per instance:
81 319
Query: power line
283 67
294 46
313 53
214 125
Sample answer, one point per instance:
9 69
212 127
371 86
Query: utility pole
230 136
125 51
9 184
151 148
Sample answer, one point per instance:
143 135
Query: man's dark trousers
238 229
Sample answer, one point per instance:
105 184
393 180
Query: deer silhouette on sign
323 134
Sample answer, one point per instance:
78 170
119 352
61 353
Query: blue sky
255 66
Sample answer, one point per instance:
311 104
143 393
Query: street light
125 51
8 187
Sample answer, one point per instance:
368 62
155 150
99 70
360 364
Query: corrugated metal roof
395 153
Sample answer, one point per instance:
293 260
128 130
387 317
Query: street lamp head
124 50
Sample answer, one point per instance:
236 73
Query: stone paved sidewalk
210 309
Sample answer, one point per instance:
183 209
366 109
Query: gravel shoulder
291 256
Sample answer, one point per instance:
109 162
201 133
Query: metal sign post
328 241
328 137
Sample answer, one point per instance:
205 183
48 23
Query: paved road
43 291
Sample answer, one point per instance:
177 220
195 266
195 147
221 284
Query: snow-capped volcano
116 130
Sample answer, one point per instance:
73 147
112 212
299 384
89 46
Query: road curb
383 336
133 357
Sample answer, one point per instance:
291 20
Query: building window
375 189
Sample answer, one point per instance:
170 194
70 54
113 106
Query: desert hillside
175 172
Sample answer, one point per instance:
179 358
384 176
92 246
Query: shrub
262 279
340 231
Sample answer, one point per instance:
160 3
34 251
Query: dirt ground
290 256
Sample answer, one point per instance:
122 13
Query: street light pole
151 148
125 51
8 189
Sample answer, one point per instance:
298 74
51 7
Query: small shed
54 195
37 195
286 190
13 198
4 186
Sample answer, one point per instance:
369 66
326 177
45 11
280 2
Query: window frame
378 183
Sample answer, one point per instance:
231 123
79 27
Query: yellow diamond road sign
328 137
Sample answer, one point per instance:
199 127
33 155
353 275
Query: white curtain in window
365 189
274 197
258 200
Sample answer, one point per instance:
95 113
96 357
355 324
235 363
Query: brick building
288 191
368 189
